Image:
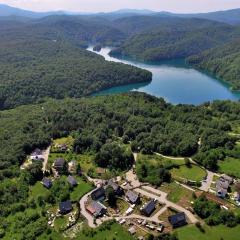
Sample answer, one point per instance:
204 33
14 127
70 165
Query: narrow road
84 212
207 183
45 156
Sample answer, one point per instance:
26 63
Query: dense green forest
37 68
223 61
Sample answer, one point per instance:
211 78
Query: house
37 155
96 209
148 208
132 230
47 183
177 220
60 166
65 207
98 194
117 189
222 186
71 180
227 178
132 197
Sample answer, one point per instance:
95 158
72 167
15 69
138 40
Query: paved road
207 183
84 212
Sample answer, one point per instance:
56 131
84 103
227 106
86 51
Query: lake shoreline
174 80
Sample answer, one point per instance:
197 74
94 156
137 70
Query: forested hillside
223 61
36 62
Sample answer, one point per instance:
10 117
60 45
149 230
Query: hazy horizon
93 6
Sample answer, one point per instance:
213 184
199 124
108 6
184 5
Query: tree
111 196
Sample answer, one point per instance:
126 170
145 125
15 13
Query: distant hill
228 16
6 11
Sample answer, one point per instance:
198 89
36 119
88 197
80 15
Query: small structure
148 208
132 197
72 181
98 194
47 183
72 166
96 209
37 155
117 189
132 230
177 220
62 147
60 165
65 207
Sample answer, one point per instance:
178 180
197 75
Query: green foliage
213 213
113 156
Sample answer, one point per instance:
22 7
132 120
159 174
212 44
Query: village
140 207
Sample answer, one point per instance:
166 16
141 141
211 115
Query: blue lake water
175 81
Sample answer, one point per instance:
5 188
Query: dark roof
47 182
177 219
60 162
132 196
98 193
149 207
72 180
65 207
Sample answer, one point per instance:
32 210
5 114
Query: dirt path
45 156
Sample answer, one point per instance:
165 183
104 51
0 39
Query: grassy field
116 232
178 194
81 189
65 140
211 233
156 160
230 166
38 190
193 173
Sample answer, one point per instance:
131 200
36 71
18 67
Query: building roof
96 208
59 162
65 206
47 182
221 183
177 218
227 178
132 230
132 196
72 180
114 185
149 207
98 193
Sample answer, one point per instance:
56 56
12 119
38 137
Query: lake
175 81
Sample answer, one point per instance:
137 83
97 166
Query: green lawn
38 190
230 166
178 194
211 233
193 173
156 160
116 232
81 189
65 140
